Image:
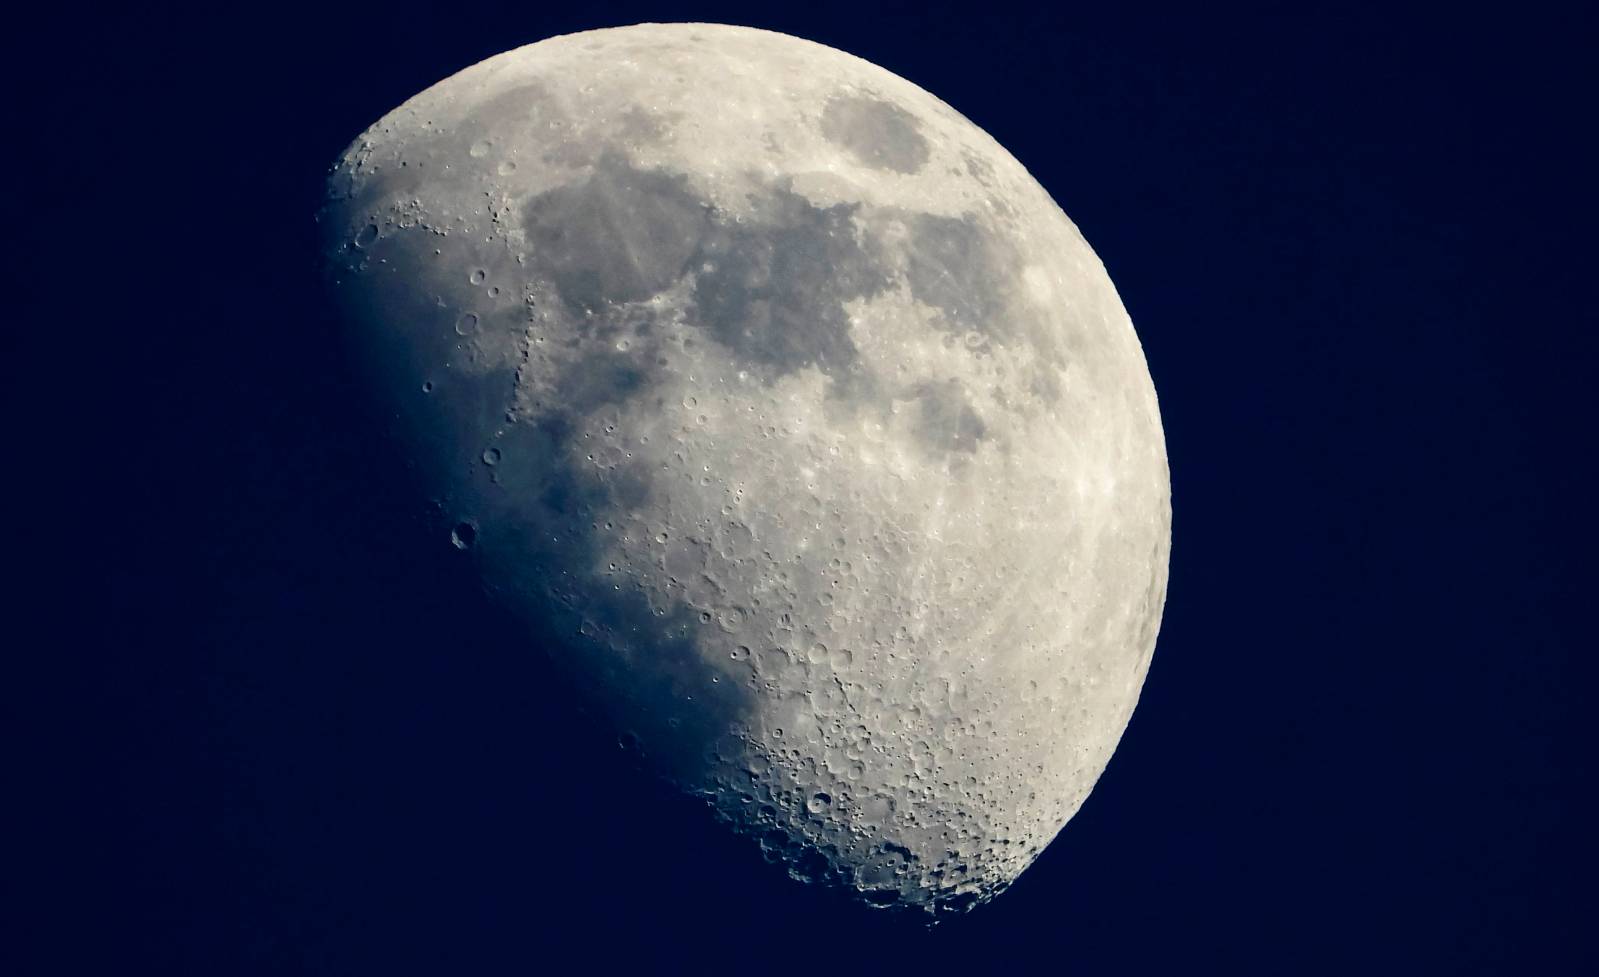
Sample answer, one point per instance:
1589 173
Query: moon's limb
786 406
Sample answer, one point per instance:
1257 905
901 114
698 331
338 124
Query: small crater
463 535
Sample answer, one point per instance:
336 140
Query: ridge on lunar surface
792 416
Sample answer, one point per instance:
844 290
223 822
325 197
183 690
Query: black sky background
270 725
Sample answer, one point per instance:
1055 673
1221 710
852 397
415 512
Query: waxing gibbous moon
795 420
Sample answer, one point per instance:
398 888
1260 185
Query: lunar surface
791 416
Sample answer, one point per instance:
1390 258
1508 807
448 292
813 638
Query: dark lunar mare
954 264
877 133
771 289
621 235
946 421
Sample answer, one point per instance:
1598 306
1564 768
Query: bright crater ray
794 418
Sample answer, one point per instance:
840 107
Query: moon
791 416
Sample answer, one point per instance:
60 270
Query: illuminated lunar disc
792 416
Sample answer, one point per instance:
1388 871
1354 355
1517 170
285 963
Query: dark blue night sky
277 731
